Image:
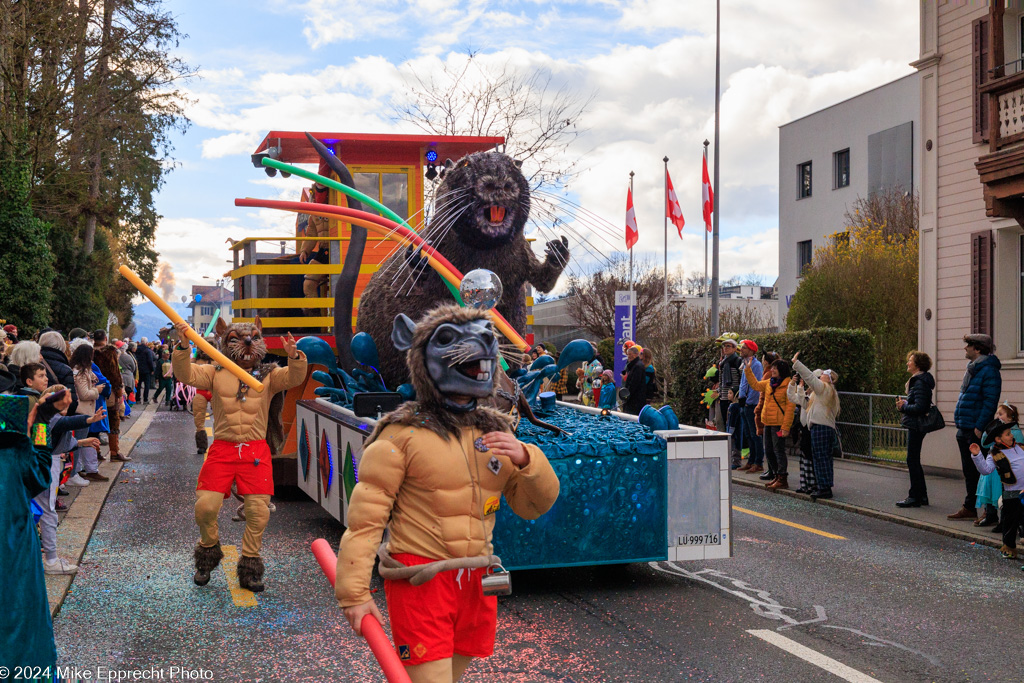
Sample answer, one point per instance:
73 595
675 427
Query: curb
878 514
80 520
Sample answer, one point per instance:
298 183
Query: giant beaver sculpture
482 206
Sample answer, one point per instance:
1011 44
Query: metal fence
869 427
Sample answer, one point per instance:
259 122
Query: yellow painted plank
295 323
297 269
529 320
299 302
792 524
240 596
529 301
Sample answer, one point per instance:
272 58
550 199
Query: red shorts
246 463
448 615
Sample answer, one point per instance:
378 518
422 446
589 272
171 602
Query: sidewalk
84 506
873 490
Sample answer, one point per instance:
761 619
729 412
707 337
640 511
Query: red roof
211 294
368 148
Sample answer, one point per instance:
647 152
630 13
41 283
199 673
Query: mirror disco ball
480 288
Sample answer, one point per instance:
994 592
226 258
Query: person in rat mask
434 472
239 453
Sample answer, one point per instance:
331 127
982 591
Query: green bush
606 347
851 353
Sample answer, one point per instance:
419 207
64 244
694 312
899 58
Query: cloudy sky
338 64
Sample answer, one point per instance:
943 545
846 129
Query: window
803 180
841 169
206 310
391 189
804 254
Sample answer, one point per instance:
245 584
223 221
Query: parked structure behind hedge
851 353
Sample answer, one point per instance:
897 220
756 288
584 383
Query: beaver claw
558 250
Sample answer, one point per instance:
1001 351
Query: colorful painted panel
349 472
325 460
304 451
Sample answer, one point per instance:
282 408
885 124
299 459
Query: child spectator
53 432
1007 459
607 390
990 487
34 381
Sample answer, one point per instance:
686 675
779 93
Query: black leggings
1011 520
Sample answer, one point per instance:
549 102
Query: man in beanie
975 408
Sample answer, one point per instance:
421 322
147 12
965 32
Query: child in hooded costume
26 631
434 472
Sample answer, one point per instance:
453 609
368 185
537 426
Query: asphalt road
884 602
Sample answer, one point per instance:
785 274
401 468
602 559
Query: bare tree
696 284
894 210
538 119
591 300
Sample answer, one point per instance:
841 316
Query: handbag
932 421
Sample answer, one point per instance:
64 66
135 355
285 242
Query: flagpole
704 283
716 186
664 220
632 332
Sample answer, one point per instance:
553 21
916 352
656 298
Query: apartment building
971 194
831 158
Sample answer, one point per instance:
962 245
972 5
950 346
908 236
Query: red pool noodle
378 641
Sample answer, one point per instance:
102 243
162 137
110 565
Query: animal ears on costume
402 332
220 327
258 324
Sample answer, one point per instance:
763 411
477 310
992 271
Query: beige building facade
971 197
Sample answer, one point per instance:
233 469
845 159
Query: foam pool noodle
576 351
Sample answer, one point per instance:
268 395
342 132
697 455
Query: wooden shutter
981 282
981 41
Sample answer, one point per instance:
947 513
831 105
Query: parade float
632 489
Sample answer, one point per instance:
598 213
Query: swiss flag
675 212
708 196
632 233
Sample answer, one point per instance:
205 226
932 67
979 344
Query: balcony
1002 169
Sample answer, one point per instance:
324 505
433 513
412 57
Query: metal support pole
632 318
664 221
716 186
871 426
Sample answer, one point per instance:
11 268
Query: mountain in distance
149 319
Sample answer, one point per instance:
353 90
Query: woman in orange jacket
777 416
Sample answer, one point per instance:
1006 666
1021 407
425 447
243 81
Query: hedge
851 353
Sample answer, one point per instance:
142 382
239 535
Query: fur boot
207 560
202 443
250 573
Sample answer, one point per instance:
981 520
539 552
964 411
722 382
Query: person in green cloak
26 630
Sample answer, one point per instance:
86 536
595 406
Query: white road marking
812 656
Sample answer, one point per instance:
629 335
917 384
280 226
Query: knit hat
749 344
53 340
607 375
11 329
982 342
75 343
77 333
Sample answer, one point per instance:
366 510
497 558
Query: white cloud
650 64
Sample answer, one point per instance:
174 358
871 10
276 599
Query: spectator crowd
80 389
